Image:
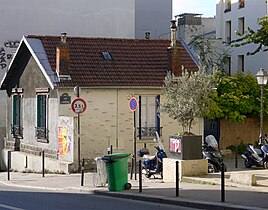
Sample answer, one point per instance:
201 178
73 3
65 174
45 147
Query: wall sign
65 99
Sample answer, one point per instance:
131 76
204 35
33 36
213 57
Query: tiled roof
134 62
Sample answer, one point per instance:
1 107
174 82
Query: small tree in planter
187 97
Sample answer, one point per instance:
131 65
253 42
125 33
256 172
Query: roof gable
133 62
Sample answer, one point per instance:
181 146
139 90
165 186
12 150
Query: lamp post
262 77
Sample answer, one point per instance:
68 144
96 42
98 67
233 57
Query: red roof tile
134 62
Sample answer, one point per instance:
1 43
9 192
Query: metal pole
79 144
140 177
222 183
43 163
8 164
135 147
261 115
132 163
82 174
111 149
177 178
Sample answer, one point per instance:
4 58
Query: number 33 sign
79 105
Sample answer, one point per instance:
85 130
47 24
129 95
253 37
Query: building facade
234 16
94 18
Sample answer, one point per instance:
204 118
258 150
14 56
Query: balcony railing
41 133
16 131
149 132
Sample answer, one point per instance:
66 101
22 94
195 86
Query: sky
205 7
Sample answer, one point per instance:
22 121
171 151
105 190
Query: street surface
12 198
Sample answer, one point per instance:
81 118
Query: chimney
63 57
173 52
173 28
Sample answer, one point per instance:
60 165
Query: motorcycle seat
149 157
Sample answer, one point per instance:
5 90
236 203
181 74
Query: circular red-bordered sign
79 105
133 104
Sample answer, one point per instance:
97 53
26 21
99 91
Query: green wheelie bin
117 171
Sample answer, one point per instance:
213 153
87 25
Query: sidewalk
203 192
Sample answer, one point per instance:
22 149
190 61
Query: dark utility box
186 147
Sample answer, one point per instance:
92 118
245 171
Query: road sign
133 104
79 105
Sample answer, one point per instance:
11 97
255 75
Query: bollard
144 145
177 178
82 172
111 149
140 177
43 163
8 164
222 183
235 156
132 165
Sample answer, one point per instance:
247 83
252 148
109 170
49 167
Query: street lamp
262 77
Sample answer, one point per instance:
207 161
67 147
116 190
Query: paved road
13 198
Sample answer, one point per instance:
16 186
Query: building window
241 63
228 30
16 126
241 25
149 116
228 5
41 118
241 4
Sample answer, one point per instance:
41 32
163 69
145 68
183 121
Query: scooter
152 165
256 156
212 153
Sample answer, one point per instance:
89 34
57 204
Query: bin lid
117 155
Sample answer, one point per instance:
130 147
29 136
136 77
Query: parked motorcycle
153 164
256 156
212 153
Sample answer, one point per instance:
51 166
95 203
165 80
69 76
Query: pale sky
205 7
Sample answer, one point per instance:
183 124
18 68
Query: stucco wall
252 63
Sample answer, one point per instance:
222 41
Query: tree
237 97
209 55
258 37
187 97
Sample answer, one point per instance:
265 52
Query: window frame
17 113
148 132
41 124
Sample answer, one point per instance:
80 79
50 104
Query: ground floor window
41 117
149 116
16 126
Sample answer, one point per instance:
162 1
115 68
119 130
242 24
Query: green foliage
237 97
258 37
241 148
187 97
209 55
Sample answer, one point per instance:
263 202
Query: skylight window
106 56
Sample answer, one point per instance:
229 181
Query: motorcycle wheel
211 168
247 164
265 165
148 176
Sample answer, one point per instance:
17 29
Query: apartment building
234 16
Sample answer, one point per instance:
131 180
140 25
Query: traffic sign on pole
133 104
79 105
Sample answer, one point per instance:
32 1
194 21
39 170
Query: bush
241 148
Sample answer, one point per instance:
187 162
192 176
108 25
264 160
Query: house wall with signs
99 18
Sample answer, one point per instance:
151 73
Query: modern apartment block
235 16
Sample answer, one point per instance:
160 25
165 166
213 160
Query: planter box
186 168
185 147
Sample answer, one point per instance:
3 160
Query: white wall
153 16
252 63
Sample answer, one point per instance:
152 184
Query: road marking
10 207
